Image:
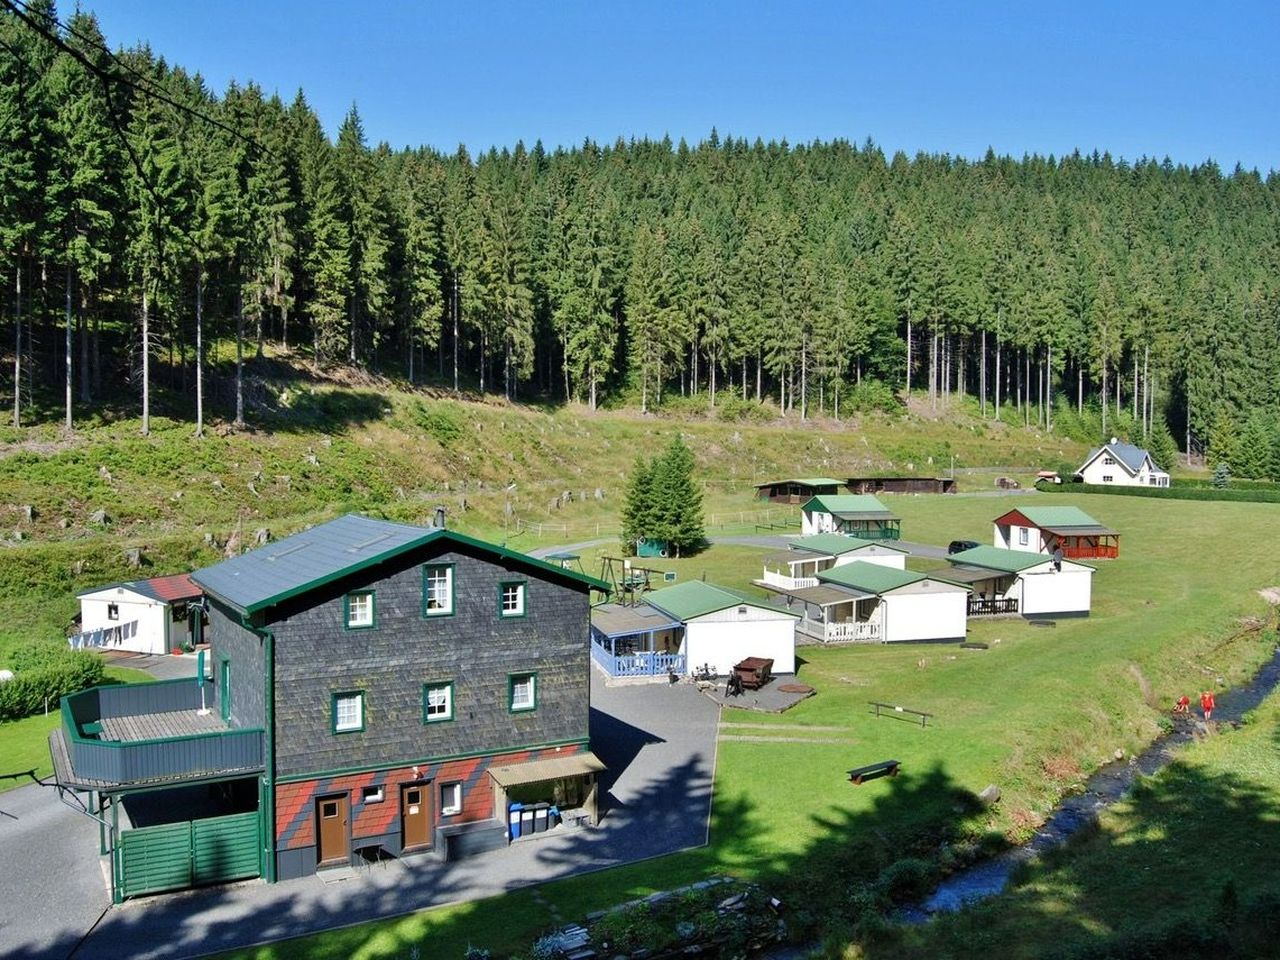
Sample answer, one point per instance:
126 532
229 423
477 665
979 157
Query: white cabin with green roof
857 515
808 556
1017 583
722 628
868 602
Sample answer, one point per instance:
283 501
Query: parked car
959 546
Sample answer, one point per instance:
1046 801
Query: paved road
768 541
52 889
659 744
162 666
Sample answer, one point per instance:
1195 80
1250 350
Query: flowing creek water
1107 785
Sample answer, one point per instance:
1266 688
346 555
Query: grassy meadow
1034 714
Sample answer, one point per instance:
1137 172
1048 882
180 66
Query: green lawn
24 743
1033 714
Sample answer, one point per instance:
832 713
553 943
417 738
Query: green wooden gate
177 855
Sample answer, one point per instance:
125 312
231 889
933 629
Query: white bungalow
865 602
143 616
722 628
808 556
1121 465
858 515
1015 582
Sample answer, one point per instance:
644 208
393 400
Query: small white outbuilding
142 616
1015 582
722 628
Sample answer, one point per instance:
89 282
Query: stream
1107 785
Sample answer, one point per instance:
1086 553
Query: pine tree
638 507
363 212
1223 441
677 502
1161 446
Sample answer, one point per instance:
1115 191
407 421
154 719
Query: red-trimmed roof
179 586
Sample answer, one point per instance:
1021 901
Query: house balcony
148 733
980 607
772 579
845 631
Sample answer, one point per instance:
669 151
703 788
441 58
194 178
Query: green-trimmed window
437 590
437 701
348 711
522 692
511 598
360 610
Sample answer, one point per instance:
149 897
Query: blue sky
1186 80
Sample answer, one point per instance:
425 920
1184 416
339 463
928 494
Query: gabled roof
876 578
803 481
1129 456
1069 520
306 561
696 598
838 544
854 506
994 558
173 588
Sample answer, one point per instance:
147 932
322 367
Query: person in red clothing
1206 703
1182 705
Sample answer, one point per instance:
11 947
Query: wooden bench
872 771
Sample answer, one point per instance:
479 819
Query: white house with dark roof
1122 465
1014 582
143 616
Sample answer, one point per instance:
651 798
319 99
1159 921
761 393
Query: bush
871 396
38 655
735 408
1176 492
28 691
676 405
439 423
907 879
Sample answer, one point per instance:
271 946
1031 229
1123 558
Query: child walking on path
1207 704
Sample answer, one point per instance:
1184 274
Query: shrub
906 879
872 396
28 691
1176 492
439 423
735 408
38 655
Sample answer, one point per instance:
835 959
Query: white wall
152 618
940 612
1009 538
722 643
1044 591
1097 471
876 554
815 522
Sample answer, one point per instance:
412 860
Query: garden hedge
1166 493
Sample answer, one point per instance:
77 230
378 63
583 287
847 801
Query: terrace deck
161 726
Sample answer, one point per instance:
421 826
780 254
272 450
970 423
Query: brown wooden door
415 815
332 817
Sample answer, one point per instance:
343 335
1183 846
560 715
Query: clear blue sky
1186 80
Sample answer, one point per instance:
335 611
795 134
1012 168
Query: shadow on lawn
1189 863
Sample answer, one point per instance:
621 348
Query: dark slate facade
230 640
475 648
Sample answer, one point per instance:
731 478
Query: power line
144 85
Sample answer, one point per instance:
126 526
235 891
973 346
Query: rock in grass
990 795
99 517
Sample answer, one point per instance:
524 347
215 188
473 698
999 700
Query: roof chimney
439 521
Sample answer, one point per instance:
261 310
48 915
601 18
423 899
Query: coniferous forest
146 220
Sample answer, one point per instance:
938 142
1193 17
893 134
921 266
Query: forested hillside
144 216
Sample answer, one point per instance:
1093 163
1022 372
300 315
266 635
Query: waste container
526 821
513 820
540 817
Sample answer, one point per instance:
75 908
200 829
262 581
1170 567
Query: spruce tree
677 501
638 507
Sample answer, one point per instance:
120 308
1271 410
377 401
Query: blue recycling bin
513 819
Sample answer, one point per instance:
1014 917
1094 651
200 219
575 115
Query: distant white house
143 616
1009 582
808 556
722 628
1122 465
869 602
858 515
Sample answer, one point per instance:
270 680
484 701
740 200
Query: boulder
990 795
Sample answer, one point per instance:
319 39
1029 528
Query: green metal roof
696 598
806 481
838 544
1051 517
875 577
860 503
306 561
994 558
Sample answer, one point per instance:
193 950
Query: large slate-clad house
403 685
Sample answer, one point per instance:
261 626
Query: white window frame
445 687
1024 536
431 574
516 610
360 610
1107 478
526 680
451 799
354 723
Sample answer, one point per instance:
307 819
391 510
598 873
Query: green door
224 689
225 848
177 855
